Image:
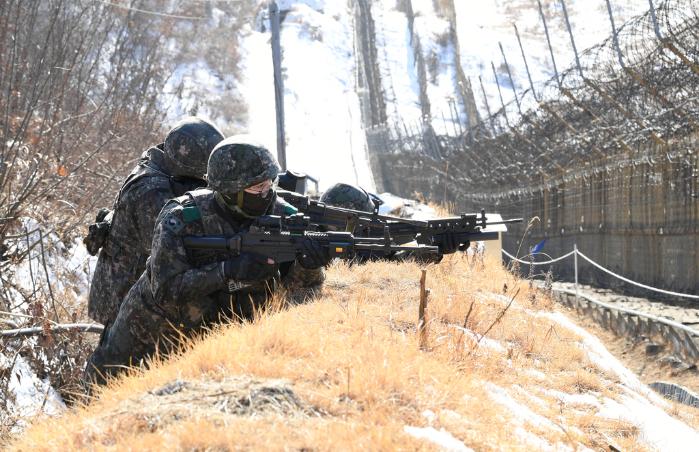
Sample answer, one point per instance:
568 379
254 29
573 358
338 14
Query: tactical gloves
313 255
249 267
98 231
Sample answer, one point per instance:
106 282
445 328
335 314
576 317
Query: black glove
450 243
313 255
101 214
249 267
98 232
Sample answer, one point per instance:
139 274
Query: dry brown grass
354 376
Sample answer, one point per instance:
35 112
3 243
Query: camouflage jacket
188 286
181 290
122 259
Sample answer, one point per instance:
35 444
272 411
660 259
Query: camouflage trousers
143 328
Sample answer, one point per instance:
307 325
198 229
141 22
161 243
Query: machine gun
281 238
467 227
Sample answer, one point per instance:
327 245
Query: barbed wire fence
603 153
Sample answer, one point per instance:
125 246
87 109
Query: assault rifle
467 227
281 238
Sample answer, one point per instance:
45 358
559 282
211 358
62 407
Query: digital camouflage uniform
123 257
164 172
348 197
182 289
353 197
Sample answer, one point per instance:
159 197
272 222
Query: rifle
281 238
467 227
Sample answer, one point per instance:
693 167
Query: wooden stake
422 321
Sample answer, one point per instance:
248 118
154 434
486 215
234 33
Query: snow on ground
194 87
68 271
482 25
442 81
396 63
600 356
398 68
636 404
441 438
323 121
257 87
657 428
32 396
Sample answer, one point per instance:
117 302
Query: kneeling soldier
181 289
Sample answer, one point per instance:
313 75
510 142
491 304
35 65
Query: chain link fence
604 153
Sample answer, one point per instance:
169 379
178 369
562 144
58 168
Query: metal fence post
278 82
575 260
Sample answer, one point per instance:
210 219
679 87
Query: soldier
349 197
181 289
353 197
164 172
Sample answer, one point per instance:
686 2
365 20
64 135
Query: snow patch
574 399
32 396
396 63
442 438
522 412
601 357
657 428
192 88
482 25
64 270
324 131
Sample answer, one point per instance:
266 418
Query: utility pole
278 82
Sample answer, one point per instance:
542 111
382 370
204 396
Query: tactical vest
200 206
146 168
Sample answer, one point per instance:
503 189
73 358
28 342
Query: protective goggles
260 189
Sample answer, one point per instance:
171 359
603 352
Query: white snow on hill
482 25
323 122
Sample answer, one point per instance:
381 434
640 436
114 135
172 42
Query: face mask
256 204
248 204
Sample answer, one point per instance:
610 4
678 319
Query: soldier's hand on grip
313 255
250 267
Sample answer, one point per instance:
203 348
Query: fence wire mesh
604 152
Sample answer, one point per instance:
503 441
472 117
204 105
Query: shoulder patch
191 214
173 224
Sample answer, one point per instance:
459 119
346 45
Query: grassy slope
352 360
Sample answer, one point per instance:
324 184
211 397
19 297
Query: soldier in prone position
350 196
182 289
164 172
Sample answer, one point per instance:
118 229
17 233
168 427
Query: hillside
424 53
502 368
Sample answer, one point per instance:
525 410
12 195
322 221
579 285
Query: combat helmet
236 163
188 145
349 197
